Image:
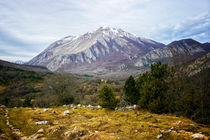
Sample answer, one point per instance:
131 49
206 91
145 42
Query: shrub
107 97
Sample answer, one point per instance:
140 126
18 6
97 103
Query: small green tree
130 91
107 97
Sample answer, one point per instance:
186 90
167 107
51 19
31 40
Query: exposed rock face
114 53
175 52
98 53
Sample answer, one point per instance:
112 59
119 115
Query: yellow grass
85 123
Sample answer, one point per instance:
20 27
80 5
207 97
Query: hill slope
85 123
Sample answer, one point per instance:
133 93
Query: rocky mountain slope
114 53
104 51
174 53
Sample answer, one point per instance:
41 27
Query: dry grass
85 123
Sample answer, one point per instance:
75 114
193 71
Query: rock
2 106
46 109
159 136
66 112
198 136
99 106
147 117
64 105
90 106
192 124
67 133
40 131
75 128
134 106
79 105
41 122
179 122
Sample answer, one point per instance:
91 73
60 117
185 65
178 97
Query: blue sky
27 27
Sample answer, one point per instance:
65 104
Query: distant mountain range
20 62
114 53
4 64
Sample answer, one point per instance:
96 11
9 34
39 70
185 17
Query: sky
27 27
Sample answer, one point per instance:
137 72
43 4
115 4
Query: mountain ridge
113 53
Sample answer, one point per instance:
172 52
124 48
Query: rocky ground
89 122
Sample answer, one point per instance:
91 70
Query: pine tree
107 97
131 94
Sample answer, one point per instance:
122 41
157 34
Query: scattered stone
64 105
67 133
40 131
134 106
96 131
136 131
147 117
179 122
74 108
159 136
90 106
99 106
198 136
2 106
192 124
46 109
66 112
72 105
75 128
79 105
41 122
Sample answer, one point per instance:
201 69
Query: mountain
104 52
197 65
114 53
4 64
20 62
174 53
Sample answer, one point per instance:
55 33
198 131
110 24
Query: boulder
66 112
46 109
147 117
198 136
159 136
41 122
99 106
2 106
67 133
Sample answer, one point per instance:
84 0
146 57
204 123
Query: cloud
29 26
197 27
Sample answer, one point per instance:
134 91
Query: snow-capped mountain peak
102 48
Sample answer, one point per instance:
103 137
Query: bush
107 97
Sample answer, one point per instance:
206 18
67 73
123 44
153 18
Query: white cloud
34 24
